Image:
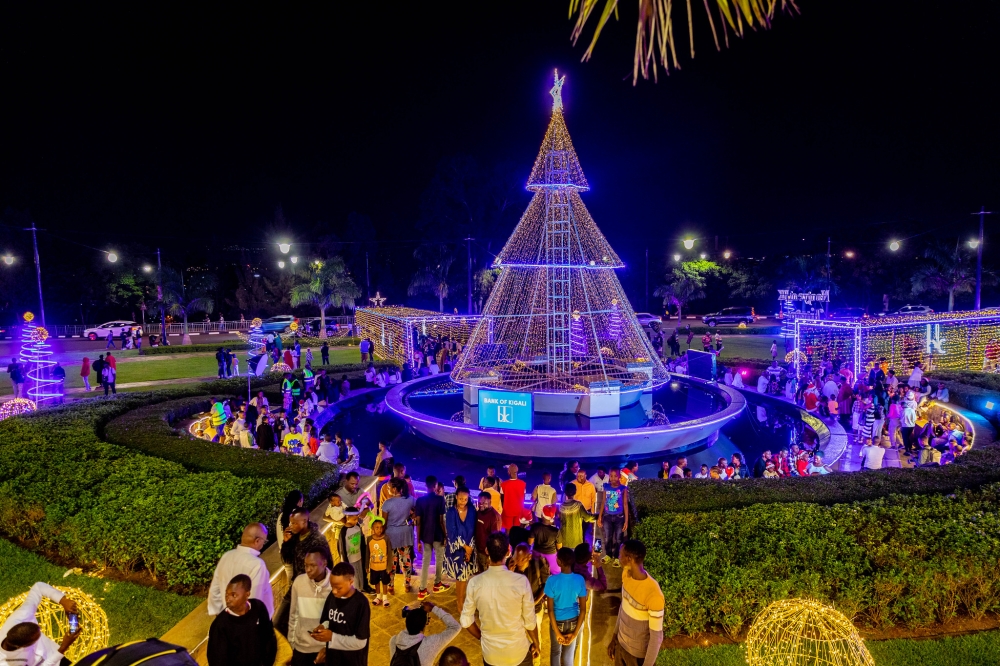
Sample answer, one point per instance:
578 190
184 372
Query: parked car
278 324
312 326
913 310
742 314
847 313
647 319
116 328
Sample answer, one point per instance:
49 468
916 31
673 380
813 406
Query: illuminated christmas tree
558 319
36 356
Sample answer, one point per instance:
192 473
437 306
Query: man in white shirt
506 610
309 593
678 468
599 479
244 559
762 384
871 456
327 451
830 388
915 376
22 642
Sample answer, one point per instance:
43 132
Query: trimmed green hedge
900 560
148 429
699 329
76 498
979 467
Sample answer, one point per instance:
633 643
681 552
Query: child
335 513
353 548
543 494
243 633
834 408
566 599
379 550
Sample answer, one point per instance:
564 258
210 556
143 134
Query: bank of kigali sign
505 409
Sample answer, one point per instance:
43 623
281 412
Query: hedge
979 467
900 560
78 499
149 430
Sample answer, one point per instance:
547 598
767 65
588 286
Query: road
71 350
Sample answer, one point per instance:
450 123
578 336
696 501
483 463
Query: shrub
979 467
80 499
148 429
900 560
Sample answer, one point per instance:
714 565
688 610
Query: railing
194 327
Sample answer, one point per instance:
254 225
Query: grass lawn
742 346
973 650
134 612
153 368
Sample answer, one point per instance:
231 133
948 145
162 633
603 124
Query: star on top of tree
556 92
377 300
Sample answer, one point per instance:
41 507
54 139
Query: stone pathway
79 393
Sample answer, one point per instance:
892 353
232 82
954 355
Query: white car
914 310
645 319
116 328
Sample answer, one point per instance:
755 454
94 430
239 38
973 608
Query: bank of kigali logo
505 414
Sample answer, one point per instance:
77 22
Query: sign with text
506 410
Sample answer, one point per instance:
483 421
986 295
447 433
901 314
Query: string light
280 368
16 407
35 351
394 330
945 340
802 632
377 300
557 318
52 620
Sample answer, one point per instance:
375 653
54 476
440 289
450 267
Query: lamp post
979 255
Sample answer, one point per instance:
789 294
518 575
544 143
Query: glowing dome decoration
294 326
53 622
35 352
558 318
802 632
16 407
256 322
280 368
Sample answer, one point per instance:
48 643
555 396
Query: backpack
407 657
150 652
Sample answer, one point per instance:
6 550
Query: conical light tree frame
558 319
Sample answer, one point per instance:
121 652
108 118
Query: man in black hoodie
242 634
300 537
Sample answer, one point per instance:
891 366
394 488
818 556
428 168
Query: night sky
151 126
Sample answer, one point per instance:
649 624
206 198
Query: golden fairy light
280 368
52 620
16 407
803 632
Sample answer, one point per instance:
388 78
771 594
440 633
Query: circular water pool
767 424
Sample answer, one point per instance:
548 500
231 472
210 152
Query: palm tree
175 297
432 277
945 272
325 284
686 283
656 31
483 282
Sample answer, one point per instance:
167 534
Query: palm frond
655 39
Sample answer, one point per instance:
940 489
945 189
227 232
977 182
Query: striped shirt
641 612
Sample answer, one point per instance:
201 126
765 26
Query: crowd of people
519 562
877 408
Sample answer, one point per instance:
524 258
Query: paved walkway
79 393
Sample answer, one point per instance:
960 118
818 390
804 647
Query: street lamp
8 259
703 255
284 247
727 254
677 257
295 260
974 243
849 254
281 264
894 245
112 257
688 243
147 269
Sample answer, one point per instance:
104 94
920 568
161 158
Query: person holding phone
22 640
346 622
